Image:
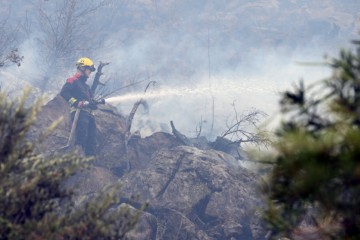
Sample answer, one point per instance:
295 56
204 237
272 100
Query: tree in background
33 201
317 166
8 40
68 30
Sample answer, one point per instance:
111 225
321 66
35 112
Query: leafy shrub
33 202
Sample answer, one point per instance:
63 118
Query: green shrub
317 165
33 202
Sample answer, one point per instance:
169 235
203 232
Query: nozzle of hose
101 101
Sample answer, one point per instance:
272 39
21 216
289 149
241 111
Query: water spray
235 88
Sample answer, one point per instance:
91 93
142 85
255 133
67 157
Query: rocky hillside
193 193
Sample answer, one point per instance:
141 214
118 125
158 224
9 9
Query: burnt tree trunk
97 82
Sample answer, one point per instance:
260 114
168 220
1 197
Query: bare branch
135 107
66 28
8 40
181 137
97 82
198 129
132 81
129 123
236 129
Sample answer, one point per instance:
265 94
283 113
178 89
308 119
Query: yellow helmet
85 62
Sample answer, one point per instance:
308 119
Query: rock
91 180
207 188
233 230
192 193
54 110
232 148
145 229
141 150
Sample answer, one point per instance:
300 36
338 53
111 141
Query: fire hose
71 139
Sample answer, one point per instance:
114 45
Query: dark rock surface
193 193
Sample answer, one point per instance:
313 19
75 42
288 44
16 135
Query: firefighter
77 93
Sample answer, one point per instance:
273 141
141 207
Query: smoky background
208 58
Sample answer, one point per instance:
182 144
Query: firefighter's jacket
75 90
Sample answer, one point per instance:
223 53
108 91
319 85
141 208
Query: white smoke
200 52
189 103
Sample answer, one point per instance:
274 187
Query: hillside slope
193 193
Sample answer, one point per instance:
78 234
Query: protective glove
86 104
83 104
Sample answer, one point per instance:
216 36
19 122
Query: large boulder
206 188
193 193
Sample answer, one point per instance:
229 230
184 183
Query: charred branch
12 57
181 137
98 74
236 128
135 107
106 92
129 123
9 38
129 81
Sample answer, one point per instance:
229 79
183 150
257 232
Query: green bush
33 202
317 165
